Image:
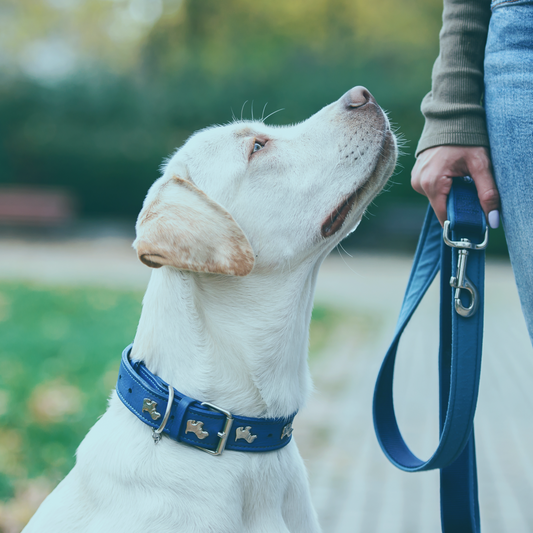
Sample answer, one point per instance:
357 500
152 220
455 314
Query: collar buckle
222 435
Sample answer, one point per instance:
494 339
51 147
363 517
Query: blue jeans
509 109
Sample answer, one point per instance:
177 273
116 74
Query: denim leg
509 109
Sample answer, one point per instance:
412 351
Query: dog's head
249 193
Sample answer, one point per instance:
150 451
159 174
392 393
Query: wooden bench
33 206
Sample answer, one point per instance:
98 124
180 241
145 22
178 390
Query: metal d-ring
463 243
156 433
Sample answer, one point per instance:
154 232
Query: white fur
238 341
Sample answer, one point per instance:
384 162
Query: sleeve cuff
454 136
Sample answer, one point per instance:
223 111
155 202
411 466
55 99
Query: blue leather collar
186 420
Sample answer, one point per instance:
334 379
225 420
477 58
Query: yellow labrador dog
236 230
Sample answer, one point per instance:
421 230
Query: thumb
487 192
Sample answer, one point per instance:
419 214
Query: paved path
354 488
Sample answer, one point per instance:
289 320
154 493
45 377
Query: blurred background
94 95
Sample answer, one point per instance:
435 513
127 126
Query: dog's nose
357 97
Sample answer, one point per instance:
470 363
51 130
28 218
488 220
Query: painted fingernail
494 219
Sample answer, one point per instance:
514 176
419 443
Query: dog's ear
181 226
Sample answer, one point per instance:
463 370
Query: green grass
59 356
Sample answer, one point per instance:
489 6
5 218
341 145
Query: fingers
437 191
435 167
430 177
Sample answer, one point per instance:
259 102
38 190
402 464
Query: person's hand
435 167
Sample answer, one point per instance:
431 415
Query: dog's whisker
273 113
344 250
263 113
344 260
242 109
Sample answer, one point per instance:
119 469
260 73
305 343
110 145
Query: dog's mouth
336 219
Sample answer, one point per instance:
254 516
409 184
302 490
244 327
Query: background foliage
95 94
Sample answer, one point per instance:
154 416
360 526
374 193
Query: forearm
453 111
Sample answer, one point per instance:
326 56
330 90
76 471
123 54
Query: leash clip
461 281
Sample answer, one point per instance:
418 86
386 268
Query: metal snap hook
461 282
474 299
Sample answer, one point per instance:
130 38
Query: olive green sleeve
453 110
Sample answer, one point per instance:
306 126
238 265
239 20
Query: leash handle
461 330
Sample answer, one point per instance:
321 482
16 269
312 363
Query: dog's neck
240 343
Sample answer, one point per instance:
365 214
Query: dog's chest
247 492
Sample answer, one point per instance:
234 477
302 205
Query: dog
235 230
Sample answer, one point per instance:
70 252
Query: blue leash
461 252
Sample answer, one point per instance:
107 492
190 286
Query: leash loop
458 249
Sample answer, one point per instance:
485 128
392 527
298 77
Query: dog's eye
257 147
